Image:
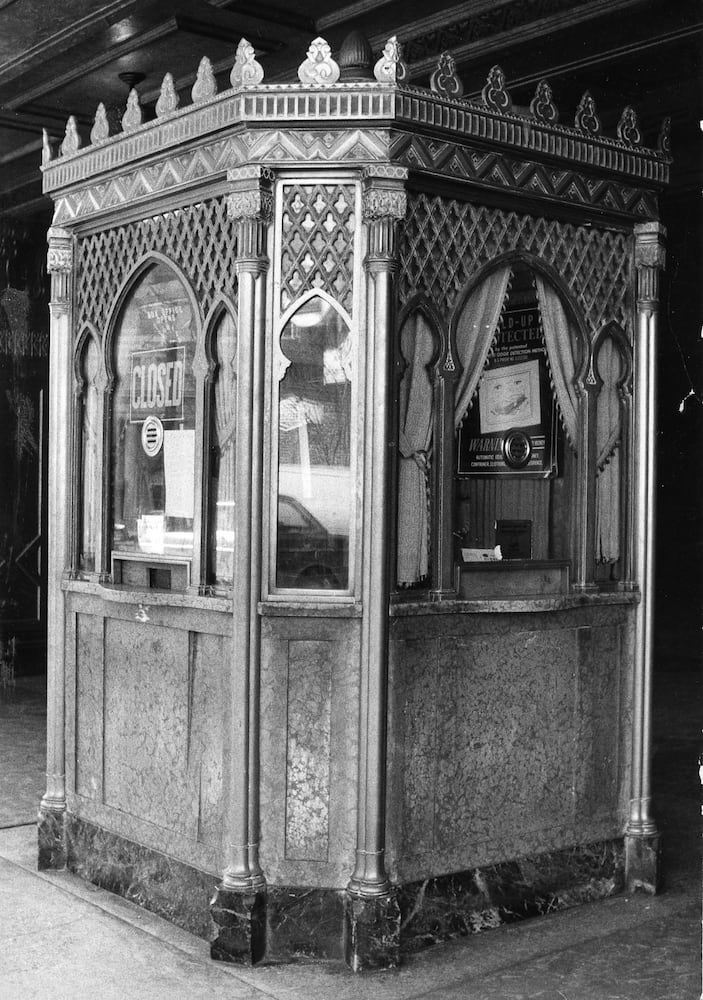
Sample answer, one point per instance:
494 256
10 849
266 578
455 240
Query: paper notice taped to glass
179 472
482 555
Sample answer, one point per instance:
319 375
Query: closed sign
156 384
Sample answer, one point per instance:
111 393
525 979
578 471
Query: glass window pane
315 489
153 431
90 507
222 452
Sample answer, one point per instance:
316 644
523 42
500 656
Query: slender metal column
372 912
53 804
641 838
585 562
239 906
443 465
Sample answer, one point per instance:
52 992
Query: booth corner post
642 842
239 907
372 914
60 265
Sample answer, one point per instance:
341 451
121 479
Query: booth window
153 431
523 501
315 497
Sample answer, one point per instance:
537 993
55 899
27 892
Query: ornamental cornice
352 108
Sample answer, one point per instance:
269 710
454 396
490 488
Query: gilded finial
205 86
390 68
628 129
72 140
132 118
101 128
319 68
246 70
495 95
586 119
168 98
444 81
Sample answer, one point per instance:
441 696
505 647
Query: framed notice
511 428
156 385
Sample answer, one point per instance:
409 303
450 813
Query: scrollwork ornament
495 95
47 153
664 139
72 140
390 68
101 127
444 81
319 68
586 119
628 129
168 98
132 118
384 203
543 106
246 70
205 86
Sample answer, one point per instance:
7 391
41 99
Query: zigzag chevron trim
495 170
283 147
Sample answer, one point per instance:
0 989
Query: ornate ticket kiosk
352 485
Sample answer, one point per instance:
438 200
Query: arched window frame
279 366
88 337
200 367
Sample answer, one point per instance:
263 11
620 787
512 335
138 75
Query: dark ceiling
63 58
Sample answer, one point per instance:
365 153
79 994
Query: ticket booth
351 506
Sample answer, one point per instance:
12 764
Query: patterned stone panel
318 241
163 727
445 241
308 759
200 239
89 705
506 744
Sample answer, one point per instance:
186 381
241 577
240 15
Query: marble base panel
51 840
466 902
372 932
167 887
240 926
643 863
305 922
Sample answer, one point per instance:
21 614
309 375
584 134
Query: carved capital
60 255
650 248
251 196
384 195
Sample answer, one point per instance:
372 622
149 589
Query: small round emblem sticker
517 449
152 436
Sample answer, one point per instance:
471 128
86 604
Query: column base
372 932
642 862
240 926
51 839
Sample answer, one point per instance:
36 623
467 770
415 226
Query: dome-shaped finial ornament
355 58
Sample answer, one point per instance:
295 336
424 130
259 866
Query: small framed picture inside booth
511 429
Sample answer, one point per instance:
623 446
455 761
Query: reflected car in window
309 556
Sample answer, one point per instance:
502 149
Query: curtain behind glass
415 437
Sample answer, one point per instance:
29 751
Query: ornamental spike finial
132 118
586 119
72 140
543 106
47 153
205 86
101 127
664 140
390 68
246 70
168 98
628 128
319 68
495 94
444 81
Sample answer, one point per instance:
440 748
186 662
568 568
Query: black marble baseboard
164 886
467 902
313 922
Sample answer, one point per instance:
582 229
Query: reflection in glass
153 428
222 453
315 490
90 509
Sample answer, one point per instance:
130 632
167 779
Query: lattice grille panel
444 242
199 239
318 241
